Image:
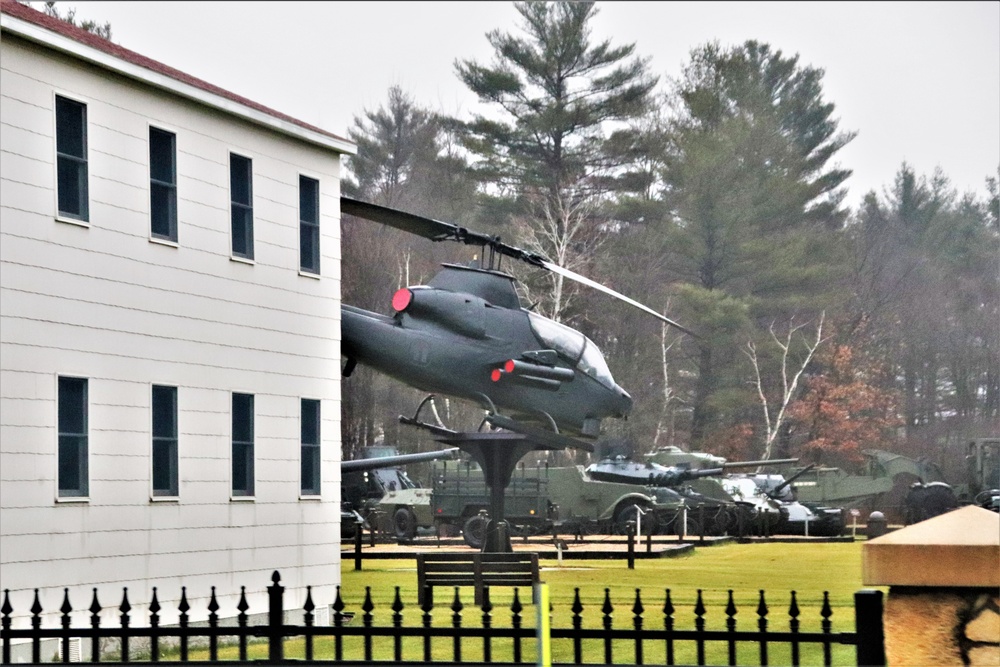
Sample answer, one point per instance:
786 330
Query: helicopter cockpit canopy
573 346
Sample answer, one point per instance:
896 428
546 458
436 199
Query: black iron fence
595 645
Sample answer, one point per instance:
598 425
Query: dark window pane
308 200
162 156
164 412
310 450
310 421
309 248
73 405
242 470
163 208
243 417
310 471
70 463
239 179
73 480
72 187
242 231
165 467
71 124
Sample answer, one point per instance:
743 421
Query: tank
798 518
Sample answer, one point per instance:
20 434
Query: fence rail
615 642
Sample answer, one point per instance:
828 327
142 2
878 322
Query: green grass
778 569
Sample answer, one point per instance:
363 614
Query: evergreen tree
754 203
546 158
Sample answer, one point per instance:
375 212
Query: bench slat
477 569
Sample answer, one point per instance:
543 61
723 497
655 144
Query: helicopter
466 335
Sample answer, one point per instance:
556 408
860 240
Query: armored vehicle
800 518
376 487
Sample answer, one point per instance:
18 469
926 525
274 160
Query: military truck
460 498
539 498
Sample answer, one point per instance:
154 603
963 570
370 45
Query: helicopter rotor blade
555 268
435 230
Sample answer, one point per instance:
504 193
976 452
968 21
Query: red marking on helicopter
402 299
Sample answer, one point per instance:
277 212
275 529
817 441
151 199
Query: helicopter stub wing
546 439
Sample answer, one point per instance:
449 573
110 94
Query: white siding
105 303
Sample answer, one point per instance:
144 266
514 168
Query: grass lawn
778 569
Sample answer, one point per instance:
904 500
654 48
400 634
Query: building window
163 184
73 473
241 193
310 448
165 441
308 224
71 158
243 444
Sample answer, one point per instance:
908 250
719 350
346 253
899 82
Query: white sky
918 81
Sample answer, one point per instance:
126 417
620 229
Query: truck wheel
404 524
630 512
474 531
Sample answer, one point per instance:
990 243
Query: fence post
357 545
630 531
275 620
868 625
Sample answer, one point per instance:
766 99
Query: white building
169 335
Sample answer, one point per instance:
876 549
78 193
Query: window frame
247 450
170 441
82 492
171 238
246 208
311 451
82 162
312 227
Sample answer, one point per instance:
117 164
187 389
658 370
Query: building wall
107 303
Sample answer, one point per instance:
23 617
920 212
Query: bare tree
669 393
774 420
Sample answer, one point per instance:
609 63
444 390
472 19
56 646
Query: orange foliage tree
843 409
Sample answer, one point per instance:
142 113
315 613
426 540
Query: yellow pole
544 638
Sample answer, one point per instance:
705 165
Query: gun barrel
362 465
762 462
781 487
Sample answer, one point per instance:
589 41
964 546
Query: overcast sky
918 81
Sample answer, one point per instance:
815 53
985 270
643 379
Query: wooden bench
477 569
